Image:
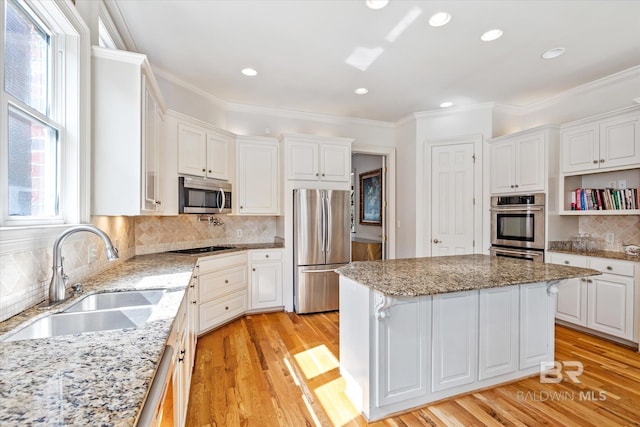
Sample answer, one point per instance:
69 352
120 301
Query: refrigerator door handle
318 271
323 203
329 225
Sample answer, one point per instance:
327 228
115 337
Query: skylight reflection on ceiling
362 57
404 23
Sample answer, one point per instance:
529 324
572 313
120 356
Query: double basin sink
96 312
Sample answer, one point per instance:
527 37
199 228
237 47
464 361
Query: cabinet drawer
265 255
222 309
217 262
612 266
221 282
566 259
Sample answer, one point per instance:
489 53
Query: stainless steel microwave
203 196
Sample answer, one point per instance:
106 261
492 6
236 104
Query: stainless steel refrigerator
321 243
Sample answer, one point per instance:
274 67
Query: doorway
369 208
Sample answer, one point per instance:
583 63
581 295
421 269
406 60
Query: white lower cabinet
222 289
398 353
265 278
402 344
605 303
455 340
498 331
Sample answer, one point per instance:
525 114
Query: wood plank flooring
281 369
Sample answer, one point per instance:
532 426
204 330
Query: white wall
362 163
406 189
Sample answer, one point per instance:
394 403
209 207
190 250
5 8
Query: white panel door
455 340
303 161
402 343
502 167
537 311
611 305
498 342
580 148
258 179
266 284
452 174
192 150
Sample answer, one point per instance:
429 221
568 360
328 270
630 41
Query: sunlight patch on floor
335 403
316 361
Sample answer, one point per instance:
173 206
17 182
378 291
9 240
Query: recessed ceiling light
377 4
361 91
249 72
553 53
439 19
446 104
491 35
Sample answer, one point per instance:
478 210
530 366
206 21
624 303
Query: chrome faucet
57 287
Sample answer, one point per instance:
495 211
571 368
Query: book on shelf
592 199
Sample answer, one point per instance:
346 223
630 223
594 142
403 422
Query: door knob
436 241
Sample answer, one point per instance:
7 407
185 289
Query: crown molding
172 78
629 73
121 24
454 110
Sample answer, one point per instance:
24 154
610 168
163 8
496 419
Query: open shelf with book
605 193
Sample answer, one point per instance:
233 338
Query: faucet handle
77 288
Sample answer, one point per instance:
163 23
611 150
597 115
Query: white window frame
73 72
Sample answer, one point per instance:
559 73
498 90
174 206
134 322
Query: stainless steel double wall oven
517 226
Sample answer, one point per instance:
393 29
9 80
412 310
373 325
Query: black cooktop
202 250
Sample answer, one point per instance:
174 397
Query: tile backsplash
25 273
626 228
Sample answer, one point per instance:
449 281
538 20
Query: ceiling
300 50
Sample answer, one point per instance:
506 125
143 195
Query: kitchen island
414 331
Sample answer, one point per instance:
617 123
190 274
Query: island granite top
438 275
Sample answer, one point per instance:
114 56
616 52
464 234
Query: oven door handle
528 209
510 252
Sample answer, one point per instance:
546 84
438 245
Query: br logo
554 372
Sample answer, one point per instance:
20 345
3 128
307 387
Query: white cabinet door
455 340
258 178
402 342
530 160
303 161
335 162
580 148
151 151
266 284
192 150
502 167
498 342
620 141
611 300
537 311
218 156
572 301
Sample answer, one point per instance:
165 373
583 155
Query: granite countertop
437 275
97 378
600 254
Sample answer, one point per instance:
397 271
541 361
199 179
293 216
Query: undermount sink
97 312
80 322
110 300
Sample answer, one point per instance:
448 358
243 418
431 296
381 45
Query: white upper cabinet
258 176
128 129
318 158
518 163
203 150
612 142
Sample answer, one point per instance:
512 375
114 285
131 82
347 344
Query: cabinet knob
595 162
316 174
566 262
589 281
241 207
609 268
226 308
209 170
512 186
181 359
436 241
226 281
204 170
195 277
253 269
583 279
194 302
517 186
601 160
266 256
322 174
157 202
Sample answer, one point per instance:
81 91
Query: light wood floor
281 369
